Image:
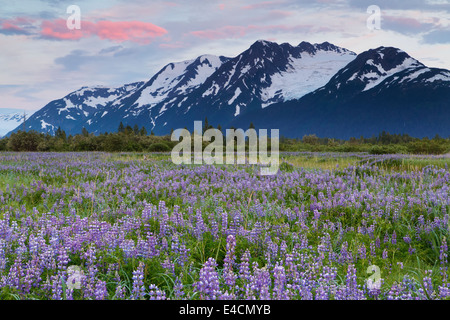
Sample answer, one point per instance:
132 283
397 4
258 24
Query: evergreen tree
60 134
121 127
143 131
206 125
84 132
128 130
136 129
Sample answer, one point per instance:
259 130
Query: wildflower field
122 226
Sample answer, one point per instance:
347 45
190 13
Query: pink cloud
10 26
57 29
18 21
17 25
119 31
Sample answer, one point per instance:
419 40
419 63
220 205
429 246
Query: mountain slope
165 90
382 89
75 111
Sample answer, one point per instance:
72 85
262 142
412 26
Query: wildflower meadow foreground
136 226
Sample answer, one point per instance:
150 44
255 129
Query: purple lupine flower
386 238
343 256
321 294
428 285
244 272
138 290
178 288
62 259
57 288
155 293
200 226
168 265
377 242
208 283
15 275
261 282
373 253
88 282
444 291
351 290
280 292
228 273
120 292
394 238
362 251
100 293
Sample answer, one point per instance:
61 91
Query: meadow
119 226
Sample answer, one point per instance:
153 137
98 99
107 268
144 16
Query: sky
43 56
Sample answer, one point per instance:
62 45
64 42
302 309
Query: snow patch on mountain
192 73
414 75
445 76
44 125
305 74
374 79
236 94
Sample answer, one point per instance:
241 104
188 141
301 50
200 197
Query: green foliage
426 146
130 139
387 149
385 143
25 141
310 139
286 167
159 147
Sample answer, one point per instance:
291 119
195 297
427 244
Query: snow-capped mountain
303 89
264 74
76 110
10 119
223 88
168 88
381 89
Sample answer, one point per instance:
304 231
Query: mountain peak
262 44
371 68
389 57
306 47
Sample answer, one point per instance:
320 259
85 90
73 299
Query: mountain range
320 89
10 119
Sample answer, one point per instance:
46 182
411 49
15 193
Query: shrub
159 147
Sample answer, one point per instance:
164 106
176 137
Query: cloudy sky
123 41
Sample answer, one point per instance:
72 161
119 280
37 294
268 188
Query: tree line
135 139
